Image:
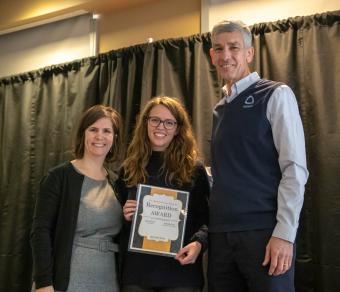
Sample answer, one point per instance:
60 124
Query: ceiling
17 12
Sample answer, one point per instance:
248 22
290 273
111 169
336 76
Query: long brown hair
180 156
88 118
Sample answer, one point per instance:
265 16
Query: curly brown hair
88 118
182 151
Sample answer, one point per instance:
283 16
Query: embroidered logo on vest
249 102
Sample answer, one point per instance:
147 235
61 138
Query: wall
122 23
159 20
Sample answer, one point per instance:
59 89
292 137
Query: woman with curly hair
163 153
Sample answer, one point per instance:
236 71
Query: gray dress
93 264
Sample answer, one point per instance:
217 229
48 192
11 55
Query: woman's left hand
189 253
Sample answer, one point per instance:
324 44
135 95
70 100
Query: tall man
259 172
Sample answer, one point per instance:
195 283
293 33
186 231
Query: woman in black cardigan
163 153
77 213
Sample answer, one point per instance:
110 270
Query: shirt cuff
285 232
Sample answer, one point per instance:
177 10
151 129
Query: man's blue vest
245 168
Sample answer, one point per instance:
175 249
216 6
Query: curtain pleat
40 109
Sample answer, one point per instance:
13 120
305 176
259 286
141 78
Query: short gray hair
231 26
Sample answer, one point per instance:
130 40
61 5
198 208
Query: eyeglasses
155 122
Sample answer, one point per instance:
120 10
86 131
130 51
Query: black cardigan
159 271
54 225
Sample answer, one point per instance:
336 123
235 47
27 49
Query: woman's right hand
45 289
129 209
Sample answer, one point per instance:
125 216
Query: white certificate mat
159 222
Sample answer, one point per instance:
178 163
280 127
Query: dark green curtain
39 109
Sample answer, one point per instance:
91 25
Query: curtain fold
39 110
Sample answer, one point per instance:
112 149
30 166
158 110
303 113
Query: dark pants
136 288
235 264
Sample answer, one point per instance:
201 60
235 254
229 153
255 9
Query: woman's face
162 127
98 138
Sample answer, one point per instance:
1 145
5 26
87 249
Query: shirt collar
240 86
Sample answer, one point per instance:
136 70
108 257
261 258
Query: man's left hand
279 253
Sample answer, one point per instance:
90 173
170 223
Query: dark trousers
235 264
136 288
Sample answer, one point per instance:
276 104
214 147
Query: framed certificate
159 222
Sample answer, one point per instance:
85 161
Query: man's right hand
279 254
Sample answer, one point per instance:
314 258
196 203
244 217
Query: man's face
230 56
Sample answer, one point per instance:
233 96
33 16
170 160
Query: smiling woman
99 139
100 123
77 212
163 153
161 127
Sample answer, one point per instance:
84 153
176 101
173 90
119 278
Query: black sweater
54 225
160 271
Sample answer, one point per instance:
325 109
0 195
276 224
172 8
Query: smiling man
259 172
